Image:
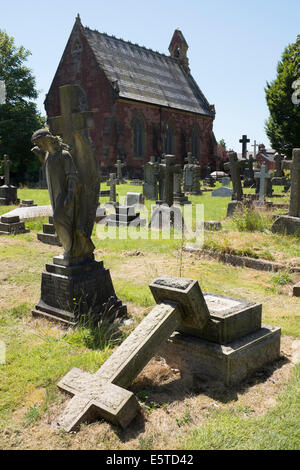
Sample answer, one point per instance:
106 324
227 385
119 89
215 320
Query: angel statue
73 186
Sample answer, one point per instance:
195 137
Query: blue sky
234 46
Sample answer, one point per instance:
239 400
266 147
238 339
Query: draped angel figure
73 184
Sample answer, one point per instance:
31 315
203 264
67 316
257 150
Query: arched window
138 138
169 140
195 143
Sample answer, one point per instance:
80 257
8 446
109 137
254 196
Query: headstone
74 284
103 394
119 165
49 236
262 176
134 199
112 183
249 180
244 141
179 196
191 176
165 214
8 192
290 224
11 225
223 191
234 165
27 203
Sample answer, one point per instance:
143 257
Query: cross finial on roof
78 18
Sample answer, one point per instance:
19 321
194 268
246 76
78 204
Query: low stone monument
27 203
8 192
150 188
191 176
49 236
134 199
210 335
74 284
224 190
290 223
123 216
11 225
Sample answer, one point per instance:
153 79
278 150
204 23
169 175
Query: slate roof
144 75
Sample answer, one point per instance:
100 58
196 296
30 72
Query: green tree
283 125
222 143
19 117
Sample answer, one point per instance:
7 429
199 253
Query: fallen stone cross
180 304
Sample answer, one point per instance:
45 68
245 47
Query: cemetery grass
177 411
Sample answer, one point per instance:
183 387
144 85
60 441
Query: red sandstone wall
112 134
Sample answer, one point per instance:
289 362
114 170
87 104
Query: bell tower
178 49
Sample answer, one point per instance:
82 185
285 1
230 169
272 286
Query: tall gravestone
279 178
262 177
179 196
234 166
150 188
191 176
74 285
8 192
290 223
119 165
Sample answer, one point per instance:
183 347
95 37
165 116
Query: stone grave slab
223 191
31 212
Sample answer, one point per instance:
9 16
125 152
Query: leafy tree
282 95
19 117
222 143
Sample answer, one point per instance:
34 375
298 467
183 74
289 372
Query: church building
144 103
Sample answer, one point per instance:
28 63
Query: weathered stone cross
294 167
244 141
112 182
168 169
234 165
119 165
262 175
70 122
180 303
6 165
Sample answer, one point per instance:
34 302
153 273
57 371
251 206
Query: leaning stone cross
262 175
180 303
119 165
6 165
294 167
244 141
112 182
234 165
70 122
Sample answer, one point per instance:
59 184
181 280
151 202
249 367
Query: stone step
230 319
48 238
13 229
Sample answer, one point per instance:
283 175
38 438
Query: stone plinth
286 224
71 289
212 225
229 364
164 217
232 344
124 216
11 225
279 181
49 236
8 195
27 203
296 290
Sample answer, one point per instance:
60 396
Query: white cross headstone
262 175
